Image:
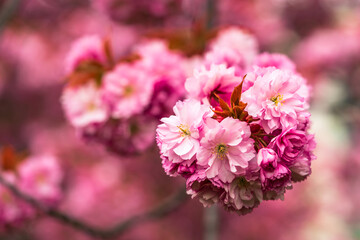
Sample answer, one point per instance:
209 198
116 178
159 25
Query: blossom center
40 178
184 130
277 99
221 150
128 90
91 106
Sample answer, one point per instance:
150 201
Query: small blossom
226 149
220 55
267 159
179 135
239 41
83 105
206 81
276 60
292 145
88 48
127 90
41 176
12 210
207 191
277 98
242 195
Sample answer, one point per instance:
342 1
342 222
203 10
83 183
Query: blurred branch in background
163 209
7 11
211 222
211 13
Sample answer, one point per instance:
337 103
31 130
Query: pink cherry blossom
221 55
167 68
292 145
275 180
127 89
12 210
216 79
242 195
276 60
277 98
207 191
267 159
41 177
89 48
83 105
179 135
226 149
274 176
239 41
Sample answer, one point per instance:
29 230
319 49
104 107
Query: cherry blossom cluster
39 176
242 135
117 102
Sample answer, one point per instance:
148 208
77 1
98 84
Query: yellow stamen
221 151
277 99
184 130
128 90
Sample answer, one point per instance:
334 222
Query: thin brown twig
165 208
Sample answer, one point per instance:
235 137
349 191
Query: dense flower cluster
239 139
39 176
118 102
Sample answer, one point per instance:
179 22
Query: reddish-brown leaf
236 95
108 51
9 158
237 111
224 106
223 114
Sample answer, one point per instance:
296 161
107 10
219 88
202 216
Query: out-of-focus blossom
239 41
12 210
127 90
321 49
83 105
167 68
276 60
41 177
88 48
217 79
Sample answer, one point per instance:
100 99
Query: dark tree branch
167 207
210 13
7 11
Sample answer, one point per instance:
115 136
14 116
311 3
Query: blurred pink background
321 36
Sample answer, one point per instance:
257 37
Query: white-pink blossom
83 105
277 98
41 177
217 79
276 60
87 48
226 149
179 135
127 89
239 41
